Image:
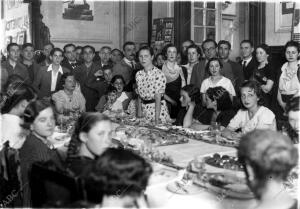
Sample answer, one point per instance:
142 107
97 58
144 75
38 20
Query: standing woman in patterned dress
151 84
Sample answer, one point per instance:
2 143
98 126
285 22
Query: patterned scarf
171 74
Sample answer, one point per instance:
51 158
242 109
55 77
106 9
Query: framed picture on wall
21 37
283 16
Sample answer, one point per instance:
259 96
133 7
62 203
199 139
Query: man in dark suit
89 77
29 62
200 72
70 57
127 67
12 65
231 69
248 62
48 78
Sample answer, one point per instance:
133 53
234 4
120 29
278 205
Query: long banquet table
159 196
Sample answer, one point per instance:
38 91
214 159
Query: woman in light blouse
253 115
69 99
289 84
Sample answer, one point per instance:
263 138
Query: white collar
284 66
127 61
247 60
51 69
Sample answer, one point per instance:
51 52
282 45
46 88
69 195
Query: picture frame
283 17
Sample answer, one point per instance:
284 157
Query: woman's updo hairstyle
193 92
33 110
84 124
270 154
117 170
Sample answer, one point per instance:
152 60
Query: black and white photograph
150 104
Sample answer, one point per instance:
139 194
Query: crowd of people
190 87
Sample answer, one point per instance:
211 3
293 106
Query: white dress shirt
54 76
247 61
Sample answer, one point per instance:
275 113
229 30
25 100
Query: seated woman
19 95
214 67
111 100
122 97
268 157
219 107
191 106
293 111
92 135
39 118
132 107
253 115
118 179
68 100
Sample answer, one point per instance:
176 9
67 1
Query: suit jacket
32 70
237 74
199 73
248 71
91 86
42 83
65 63
19 69
125 70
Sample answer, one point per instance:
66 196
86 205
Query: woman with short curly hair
268 157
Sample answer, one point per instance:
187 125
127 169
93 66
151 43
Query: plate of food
226 184
222 162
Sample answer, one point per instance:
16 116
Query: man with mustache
127 67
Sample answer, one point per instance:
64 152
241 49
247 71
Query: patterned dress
148 85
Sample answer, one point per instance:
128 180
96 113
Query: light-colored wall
274 38
103 30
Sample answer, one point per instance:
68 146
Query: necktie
132 64
244 66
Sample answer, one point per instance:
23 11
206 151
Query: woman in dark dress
264 73
175 80
92 135
39 118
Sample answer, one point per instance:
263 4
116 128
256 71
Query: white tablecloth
159 196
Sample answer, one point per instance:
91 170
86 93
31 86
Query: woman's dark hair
194 46
33 110
110 89
269 153
12 79
84 124
256 88
221 96
116 77
117 172
147 48
165 49
292 44
159 54
293 104
193 92
266 48
15 93
63 79
213 59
